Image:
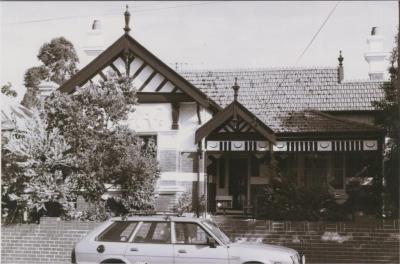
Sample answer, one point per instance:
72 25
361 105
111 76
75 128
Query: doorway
238 169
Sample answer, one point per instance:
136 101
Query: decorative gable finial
340 68
340 59
235 88
127 18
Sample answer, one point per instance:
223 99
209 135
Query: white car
168 239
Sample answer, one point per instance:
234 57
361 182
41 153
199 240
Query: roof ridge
351 81
284 68
352 122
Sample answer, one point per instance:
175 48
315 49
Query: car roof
158 218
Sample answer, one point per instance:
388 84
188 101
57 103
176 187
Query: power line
277 87
113 13
316 34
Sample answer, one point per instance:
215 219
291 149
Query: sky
203 35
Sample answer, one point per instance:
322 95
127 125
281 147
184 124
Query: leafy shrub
281 199
185 204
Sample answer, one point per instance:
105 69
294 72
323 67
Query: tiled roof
272 94
315 121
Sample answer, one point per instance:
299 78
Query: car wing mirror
211 242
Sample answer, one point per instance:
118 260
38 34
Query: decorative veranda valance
292 146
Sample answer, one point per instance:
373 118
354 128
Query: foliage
8 91
34 178
32 78
185 203
282 199
109 154
58 59
388 117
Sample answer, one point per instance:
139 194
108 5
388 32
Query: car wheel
112 261
253 262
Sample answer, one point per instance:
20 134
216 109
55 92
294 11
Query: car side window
154 233
191 234
119 231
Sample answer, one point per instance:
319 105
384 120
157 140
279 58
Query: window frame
174 241
114 223
150 243
150 134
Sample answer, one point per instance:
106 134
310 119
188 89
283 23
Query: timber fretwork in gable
236 126
145 78
154 80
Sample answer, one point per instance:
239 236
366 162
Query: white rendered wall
156 119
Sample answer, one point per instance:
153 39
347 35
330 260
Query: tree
32 78
58 59
109 154
8 91
35 163
59 56
389 118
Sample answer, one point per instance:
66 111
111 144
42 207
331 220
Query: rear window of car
119 231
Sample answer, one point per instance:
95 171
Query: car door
191 245
112 242
151 244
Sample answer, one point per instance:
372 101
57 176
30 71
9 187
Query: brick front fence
51 241
377 241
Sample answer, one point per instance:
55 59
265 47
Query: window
191 234
153 232
118 232
149 143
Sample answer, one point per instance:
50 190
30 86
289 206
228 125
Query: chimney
375 56
46 88
94 40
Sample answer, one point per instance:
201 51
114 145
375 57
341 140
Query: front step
232 212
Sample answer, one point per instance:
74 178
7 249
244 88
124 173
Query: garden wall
375 241
372 241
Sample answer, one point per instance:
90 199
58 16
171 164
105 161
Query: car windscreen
217 232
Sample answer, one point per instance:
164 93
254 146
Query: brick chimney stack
375 56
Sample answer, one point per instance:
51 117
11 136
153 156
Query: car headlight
296 259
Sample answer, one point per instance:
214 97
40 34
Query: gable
235 121
154 80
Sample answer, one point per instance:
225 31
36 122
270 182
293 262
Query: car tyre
112 261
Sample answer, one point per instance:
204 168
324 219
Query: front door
151 244
191 246
238 182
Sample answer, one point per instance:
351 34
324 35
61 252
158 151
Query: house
225 127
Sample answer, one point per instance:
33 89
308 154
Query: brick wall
375 241
51 241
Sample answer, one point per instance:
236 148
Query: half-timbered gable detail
235 122
155 81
